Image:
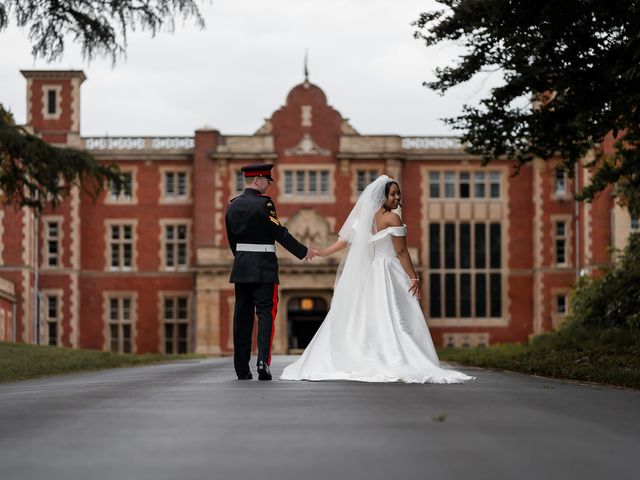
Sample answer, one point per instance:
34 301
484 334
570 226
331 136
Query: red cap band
257 173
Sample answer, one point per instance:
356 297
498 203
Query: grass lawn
21 362
610 356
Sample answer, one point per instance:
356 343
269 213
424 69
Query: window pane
561 185
479 185
168 338
450 295
464 185
434 245
449 245
481 295
126 309
113 330
465 295
300 182
126 338
113 309
52 307
496 295
169 232
435 305
115 254
182 232
324 181
168 308
53 229
127 231
480 232
169 183
182 254
560 229
288 182
560 252
182 183
170 255
434 184
362 183
449 184
53 333
561 304
51 101
115 232
465 245
127 181
183 332
313 181
494 177
495 247
126 255
239 181
182 308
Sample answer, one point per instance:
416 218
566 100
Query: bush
612 299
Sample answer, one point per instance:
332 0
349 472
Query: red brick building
147 270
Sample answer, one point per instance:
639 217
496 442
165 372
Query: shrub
612 299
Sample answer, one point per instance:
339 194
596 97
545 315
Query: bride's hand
322 252
414 289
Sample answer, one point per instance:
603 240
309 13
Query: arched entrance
305 315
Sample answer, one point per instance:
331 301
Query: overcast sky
238 70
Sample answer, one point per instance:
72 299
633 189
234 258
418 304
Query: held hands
415 287
311 253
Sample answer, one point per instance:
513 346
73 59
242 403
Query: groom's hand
311 252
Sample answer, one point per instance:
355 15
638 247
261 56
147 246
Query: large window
306 182
465 185
176 324
560 183
120 324
175 245
465 265
175 184
121 243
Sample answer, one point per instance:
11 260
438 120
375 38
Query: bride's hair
387 187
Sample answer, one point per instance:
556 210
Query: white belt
255 247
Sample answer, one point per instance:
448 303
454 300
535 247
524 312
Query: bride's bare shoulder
392 219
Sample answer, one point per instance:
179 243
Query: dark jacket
251 218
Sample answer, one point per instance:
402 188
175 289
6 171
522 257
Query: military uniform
252 228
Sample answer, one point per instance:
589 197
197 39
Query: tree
32 172
571 76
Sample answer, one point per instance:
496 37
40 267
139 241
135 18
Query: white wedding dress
375 330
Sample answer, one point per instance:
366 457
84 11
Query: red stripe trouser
260 299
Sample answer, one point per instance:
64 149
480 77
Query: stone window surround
44 248
503 219
121 199
233 180
45 101
44 324
107 295
164 294
318 198
175 198
164 222
568 237
108 222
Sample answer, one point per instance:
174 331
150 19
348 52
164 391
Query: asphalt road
192 420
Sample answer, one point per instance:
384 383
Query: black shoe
264 373
246 376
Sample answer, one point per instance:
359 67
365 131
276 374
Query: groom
252 228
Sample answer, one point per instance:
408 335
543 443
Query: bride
375 330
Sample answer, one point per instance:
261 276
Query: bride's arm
400 246
336 247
